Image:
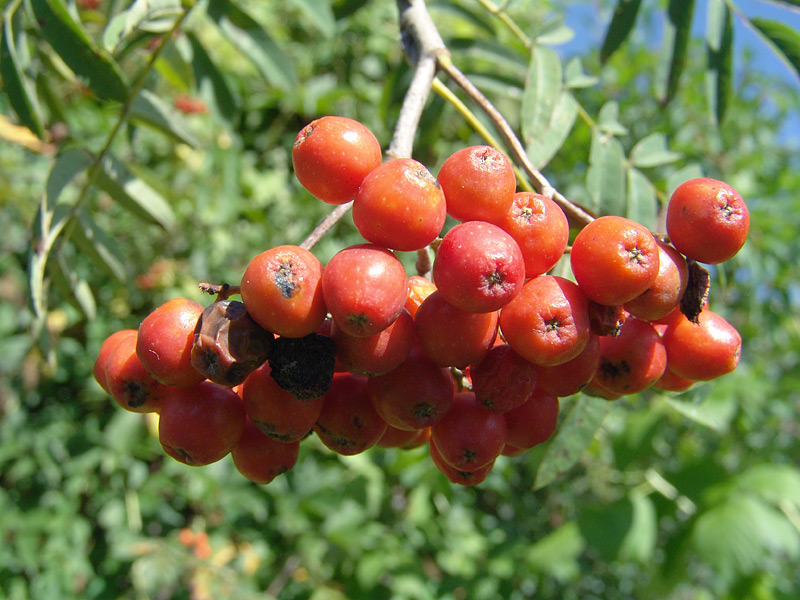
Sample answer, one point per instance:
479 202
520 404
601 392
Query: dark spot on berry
136 393
285 280
613 370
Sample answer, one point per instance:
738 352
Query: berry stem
221 291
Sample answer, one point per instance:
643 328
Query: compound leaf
211 83
542 91
548 142
97 246
73 287
51 219
573 437
89 62
133 194
677 31
254 43
642 202
320 14
150 110
21 95
784 40
652 151
719 58
605 178
620 27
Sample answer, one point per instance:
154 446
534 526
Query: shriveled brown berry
228 344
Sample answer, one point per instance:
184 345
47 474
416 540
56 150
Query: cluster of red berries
471 363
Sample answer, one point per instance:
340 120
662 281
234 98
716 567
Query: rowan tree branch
422 45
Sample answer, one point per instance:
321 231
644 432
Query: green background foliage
113 201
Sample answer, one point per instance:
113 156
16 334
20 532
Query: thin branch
573 211
476 124
325 225
422 45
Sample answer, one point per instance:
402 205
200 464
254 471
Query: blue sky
583 18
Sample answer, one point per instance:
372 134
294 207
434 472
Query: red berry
667 290
129 382
275 411
533 422
365 289
260 458
707 220
452 337
706 350
400 205
199 424
413 396
282 290
332 155
503 380
478 183
469 437
548 323
165 339
348 423
375 354
107 347
478 267
419 288
455 475
540 228
572 376
614 260
633 360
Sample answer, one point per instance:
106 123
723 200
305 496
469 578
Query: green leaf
608 119
254 43
620 27
775 483
605 178
719 58
542 91
715 411
148 109
625 529
319 14
73 287
735 537
212 84
554 32
133 194
575 77
153 16
573 437
557 553
21 94
783 39
676 178
640 542
97 246
174 66
545 146
677 32
652 151
90 63
51 219
642 204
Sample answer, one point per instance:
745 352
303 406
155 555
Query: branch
422 45
573 211
417 21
